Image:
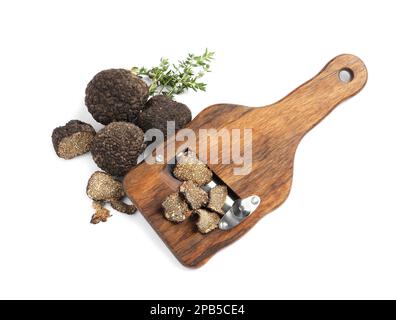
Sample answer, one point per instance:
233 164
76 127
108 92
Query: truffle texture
207 221
101 214
194 195
103 187
72 139
160 109
189 168
123 207
117 146
217 198
115 95
175 209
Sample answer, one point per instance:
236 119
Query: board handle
343 77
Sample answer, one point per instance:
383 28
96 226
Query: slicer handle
340 79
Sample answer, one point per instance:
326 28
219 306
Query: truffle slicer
276 131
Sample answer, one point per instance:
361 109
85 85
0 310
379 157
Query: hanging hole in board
345 75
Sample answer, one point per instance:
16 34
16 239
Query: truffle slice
101 213
160 109
103 187
175 209
123 207
116 95
72 139
117 146
217 198
189 168
188 157
194 195
207 221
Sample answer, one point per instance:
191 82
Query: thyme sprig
173 79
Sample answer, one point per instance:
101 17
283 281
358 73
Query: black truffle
72 139
175 208
115 95
160 109
194 195
123 207
208 220
117 146
189 167
103 187
217 198
101 213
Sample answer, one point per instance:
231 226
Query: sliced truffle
188 157
189 168
101 214
117 146
115 95
103 187
194 195
217 198
207 221
160 109
72 139
123 207
175 209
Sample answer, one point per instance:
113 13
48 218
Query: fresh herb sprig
173 79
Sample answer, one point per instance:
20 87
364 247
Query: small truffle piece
123 207
188 157
189 168
72 139
194 195
117 146
217 198
103 187
116 95
207 221
160 109
101 214
175 209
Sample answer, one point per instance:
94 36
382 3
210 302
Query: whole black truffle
117 146
160 109
115 95
72 139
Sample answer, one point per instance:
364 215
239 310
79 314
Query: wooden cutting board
276 130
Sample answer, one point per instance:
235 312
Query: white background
335 236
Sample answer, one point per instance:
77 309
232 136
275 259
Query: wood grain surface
277 129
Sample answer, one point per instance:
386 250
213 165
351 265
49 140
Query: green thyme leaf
173 79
